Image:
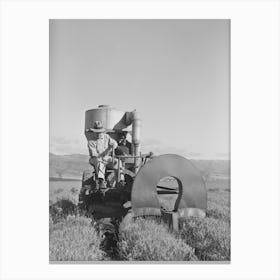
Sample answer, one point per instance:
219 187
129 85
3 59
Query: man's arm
92 149
112 143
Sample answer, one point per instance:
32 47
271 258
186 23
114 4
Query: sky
176 73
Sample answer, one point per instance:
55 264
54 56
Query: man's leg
99 167
115 167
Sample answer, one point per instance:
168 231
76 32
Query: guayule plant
209 237
148 240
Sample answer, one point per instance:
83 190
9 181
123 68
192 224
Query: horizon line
187 157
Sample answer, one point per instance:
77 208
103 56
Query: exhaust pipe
134 119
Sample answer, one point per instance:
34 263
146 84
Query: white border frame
254 137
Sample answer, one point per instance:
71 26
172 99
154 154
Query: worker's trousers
100 166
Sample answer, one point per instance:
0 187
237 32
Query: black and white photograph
139 159
139 140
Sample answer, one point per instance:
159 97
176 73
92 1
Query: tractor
148 178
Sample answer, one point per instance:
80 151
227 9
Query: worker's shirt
99 147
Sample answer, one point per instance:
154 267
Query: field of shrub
73 238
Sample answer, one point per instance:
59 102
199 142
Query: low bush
74 239
74 191
218 206
218 212
147 240
209 237
62 206
57 191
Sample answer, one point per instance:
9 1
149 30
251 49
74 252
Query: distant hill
213 168
72 166
67 166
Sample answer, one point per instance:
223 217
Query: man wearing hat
99 150
124 147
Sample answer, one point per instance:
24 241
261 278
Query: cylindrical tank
111 118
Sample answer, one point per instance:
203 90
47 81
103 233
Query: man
124 147
99 150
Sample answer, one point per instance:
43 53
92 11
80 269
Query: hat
97 127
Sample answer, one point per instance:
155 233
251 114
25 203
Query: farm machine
149 180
